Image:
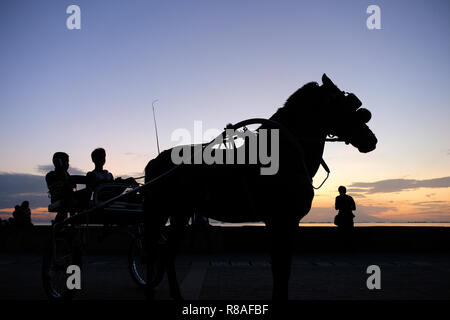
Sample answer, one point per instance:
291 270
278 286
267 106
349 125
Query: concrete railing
250 239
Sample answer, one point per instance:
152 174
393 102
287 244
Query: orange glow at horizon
422 205
39 214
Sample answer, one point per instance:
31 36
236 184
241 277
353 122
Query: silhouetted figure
279 200
100 176
344 219
21 216
61 187
345 204
25 207
17 212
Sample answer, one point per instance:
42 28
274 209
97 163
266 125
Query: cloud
396 185
441 207
17 187
44 168
428 203
356 190
438 210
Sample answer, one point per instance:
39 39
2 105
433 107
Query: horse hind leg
176 231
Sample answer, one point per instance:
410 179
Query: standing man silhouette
345 204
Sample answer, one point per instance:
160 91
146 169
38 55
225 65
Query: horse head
345 118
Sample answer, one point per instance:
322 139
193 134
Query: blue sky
220 62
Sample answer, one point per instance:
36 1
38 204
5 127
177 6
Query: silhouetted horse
239 193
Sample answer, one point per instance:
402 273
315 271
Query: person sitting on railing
26 213
21 215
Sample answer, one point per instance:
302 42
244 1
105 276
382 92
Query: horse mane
298 100
301 94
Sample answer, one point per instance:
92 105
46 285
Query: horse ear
327 82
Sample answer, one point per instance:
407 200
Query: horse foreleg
177 226
281 256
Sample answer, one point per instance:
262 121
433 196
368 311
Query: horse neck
310 136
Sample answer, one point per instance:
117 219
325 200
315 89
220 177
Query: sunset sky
219 62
